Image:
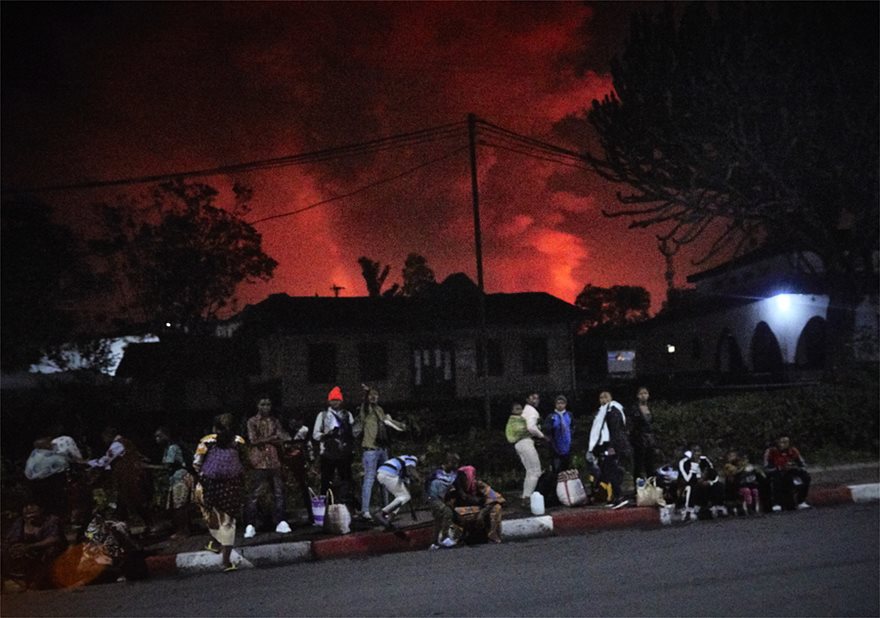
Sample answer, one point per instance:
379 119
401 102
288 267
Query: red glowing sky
103 91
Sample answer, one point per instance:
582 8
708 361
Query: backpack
547 488
339 443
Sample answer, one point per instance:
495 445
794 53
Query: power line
533 156
532 142
361 189
361 148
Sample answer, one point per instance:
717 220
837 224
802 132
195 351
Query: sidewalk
831 486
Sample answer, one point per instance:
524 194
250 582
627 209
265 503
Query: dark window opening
495 358
696 348
373 361
535 356
322 363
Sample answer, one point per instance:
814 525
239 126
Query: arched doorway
766 355
811 345
729 358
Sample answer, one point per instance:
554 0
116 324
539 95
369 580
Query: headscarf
470 473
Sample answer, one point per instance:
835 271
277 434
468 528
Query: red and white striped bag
569 488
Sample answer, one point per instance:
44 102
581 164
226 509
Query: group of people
624 438
226 474
610 445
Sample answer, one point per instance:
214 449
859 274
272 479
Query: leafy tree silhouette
756 125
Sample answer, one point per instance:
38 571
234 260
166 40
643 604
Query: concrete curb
527 528
577 522
377 542
865 493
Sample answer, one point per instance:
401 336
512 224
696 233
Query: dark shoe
619 504
384 519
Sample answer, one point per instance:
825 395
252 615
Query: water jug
537 503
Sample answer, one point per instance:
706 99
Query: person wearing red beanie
335 394
335 431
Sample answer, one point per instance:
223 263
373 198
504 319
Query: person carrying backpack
335 432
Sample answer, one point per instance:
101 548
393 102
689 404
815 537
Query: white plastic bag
649 494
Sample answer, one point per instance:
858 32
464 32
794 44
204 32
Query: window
496 359
373 361
322 363
534 356
433 370
696 348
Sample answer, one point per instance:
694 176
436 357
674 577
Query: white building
760 315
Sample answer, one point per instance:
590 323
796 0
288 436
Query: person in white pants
394 475
525 447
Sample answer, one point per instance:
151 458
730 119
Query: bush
828 423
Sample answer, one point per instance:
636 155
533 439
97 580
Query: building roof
764 252
452 304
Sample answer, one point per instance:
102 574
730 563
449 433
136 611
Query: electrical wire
360 189
527 144
361 148
531 140
533 156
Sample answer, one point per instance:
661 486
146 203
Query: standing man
609 442
641 436
374 423
335 431
265 436
297 454
558 428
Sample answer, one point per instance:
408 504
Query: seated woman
109 552
477 506
32 545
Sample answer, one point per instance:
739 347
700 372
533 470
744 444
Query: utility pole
483 348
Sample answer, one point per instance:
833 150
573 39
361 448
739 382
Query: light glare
783 301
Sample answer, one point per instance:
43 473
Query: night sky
99 91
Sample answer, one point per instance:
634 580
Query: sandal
232 567
210 547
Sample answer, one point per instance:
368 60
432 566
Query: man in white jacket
609 442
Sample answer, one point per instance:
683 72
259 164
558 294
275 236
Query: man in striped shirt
394 475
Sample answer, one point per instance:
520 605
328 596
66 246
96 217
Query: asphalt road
822 562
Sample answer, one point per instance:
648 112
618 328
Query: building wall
696 339
286 359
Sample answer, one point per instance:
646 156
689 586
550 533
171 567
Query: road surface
820 562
